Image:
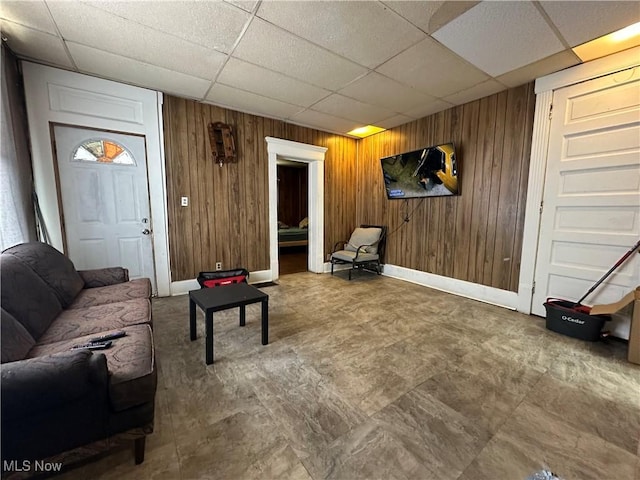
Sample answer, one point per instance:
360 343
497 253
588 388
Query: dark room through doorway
293 221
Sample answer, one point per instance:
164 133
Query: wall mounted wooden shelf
223 147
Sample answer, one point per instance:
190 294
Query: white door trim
58 96
535 189
538 163
314 157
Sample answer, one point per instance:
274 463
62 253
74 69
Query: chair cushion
130 360
364 236
77 322
26 296
16 341
90 297
349 256
55 269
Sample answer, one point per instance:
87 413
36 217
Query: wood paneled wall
293 197
227 217
476 236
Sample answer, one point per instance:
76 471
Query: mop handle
618 263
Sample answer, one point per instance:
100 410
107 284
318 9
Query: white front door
105 199
591 203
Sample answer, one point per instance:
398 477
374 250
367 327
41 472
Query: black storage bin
222 277
563 318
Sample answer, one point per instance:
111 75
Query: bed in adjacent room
293 237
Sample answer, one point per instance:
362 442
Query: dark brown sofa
59 404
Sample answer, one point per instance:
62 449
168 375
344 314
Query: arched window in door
103 151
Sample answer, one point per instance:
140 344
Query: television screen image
427 172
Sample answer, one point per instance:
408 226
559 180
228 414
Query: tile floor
382 379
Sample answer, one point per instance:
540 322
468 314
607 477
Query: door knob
146 231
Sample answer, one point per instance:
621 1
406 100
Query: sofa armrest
44 383
102 277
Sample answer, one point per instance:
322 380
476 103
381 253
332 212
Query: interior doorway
293 216
313 156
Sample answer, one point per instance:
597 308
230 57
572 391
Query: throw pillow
364 236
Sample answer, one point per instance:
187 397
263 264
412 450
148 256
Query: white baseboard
260 276
336 268
475 291
183 287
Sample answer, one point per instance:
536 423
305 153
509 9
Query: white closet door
591 204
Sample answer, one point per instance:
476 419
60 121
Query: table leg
192 320
265 321
243 315
209 337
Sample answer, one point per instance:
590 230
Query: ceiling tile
246 5
35 44
271 47
314 60
250 102
498 37
322 121
76 22
377 89
432 69
253 78
429 15
580 22
212 24
368 33
554 63
32 14
422 111
394 121
483 89
108 65
344 107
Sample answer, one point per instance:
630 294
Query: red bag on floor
222 277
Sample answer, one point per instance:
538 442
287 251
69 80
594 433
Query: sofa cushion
26 296
101 277
89 297
364 236
16 341
130 361
78 322
55 269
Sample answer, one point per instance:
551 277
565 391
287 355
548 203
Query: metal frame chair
364 256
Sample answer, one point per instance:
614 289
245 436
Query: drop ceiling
330 65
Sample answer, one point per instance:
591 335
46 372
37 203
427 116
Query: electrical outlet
218 265
184 201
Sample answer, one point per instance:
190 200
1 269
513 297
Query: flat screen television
427 172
